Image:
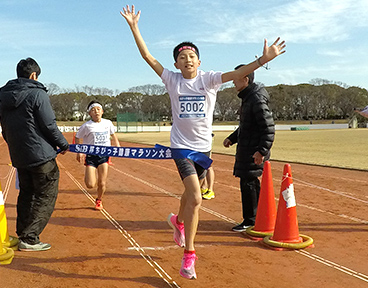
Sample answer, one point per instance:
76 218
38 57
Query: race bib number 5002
192 107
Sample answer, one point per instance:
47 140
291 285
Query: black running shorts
187 167
95 160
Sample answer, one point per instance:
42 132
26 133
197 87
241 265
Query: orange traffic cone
110 162
5 239
286 232
266 211
286 227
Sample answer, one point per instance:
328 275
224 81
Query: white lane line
163 248
353 218
156 248
157 268
9 179
219 215
331 213
344 194
333 265
225 218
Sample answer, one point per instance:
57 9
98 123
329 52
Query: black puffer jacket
256 131
28 123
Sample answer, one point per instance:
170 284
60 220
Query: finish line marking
163 248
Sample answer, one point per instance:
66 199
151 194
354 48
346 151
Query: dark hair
178 49
250 75
26 67
93 102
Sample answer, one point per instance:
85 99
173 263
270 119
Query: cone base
291 241
6 257
257 235
257 239
12 243
277 245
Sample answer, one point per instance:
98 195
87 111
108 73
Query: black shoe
242 227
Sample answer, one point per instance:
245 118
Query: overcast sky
88 43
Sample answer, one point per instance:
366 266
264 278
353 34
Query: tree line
319 99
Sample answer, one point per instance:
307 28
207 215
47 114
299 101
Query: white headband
94 105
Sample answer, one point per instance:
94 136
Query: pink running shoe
98 204
179 236
187 266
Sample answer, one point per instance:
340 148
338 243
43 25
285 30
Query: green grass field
346 148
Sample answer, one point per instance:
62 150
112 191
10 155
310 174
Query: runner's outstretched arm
269 53
132 19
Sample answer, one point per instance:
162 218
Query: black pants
36 199
250 189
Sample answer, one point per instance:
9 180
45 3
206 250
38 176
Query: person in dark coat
29 128
254 138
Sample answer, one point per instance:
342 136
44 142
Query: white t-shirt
192 106
96 133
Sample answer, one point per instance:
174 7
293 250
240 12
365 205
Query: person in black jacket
254 138
29 128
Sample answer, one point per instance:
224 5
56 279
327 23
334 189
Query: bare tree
52 89
227 105
149 89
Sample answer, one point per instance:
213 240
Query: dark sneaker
23 246
242 227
